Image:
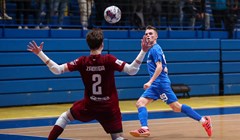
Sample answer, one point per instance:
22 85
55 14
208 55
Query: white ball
112 14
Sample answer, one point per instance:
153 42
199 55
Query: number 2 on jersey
96 89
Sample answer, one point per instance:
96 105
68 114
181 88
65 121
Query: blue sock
190 112
143 116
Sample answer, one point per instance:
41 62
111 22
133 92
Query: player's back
97 73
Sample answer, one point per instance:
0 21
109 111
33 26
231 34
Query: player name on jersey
95 68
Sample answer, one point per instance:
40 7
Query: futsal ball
112 14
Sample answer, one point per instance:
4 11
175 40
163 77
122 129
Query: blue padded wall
1 33
25 80
231 66
189 44
185 58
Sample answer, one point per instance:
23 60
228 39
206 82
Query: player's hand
146 45
146 85
33 47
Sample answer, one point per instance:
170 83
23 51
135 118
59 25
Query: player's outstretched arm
53 67
133 68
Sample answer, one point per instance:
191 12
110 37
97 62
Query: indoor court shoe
208 125
141 132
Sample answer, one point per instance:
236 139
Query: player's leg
172 101
76 112
143 118
177 107
142 111
206 120
60 124
112 125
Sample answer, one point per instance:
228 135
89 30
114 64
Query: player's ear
102 46
156 35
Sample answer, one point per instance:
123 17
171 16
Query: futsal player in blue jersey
159 87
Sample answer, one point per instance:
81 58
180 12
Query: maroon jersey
97 73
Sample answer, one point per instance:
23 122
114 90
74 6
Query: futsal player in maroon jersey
100 100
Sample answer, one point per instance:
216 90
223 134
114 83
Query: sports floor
35 122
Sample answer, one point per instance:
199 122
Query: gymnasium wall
193 58
231 66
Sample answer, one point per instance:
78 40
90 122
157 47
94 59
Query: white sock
120 138
144 127
202 120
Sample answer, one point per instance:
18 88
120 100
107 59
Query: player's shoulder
109 56
82 58
157 47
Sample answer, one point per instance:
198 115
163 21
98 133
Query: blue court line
20 137
5 124
171 114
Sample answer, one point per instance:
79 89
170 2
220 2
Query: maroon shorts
110 119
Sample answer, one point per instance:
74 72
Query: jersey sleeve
116 64
74 65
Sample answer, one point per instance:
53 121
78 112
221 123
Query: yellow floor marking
126 106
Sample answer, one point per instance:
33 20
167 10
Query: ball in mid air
112 14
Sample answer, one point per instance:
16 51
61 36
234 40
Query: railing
136 14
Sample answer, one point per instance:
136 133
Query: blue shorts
161 91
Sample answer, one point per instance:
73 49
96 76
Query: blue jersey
156 55
161 87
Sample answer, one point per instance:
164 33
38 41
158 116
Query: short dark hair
149 27
94 38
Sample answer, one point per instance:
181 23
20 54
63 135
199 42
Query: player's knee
63 120
142 102
139 104
176 107
69 115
